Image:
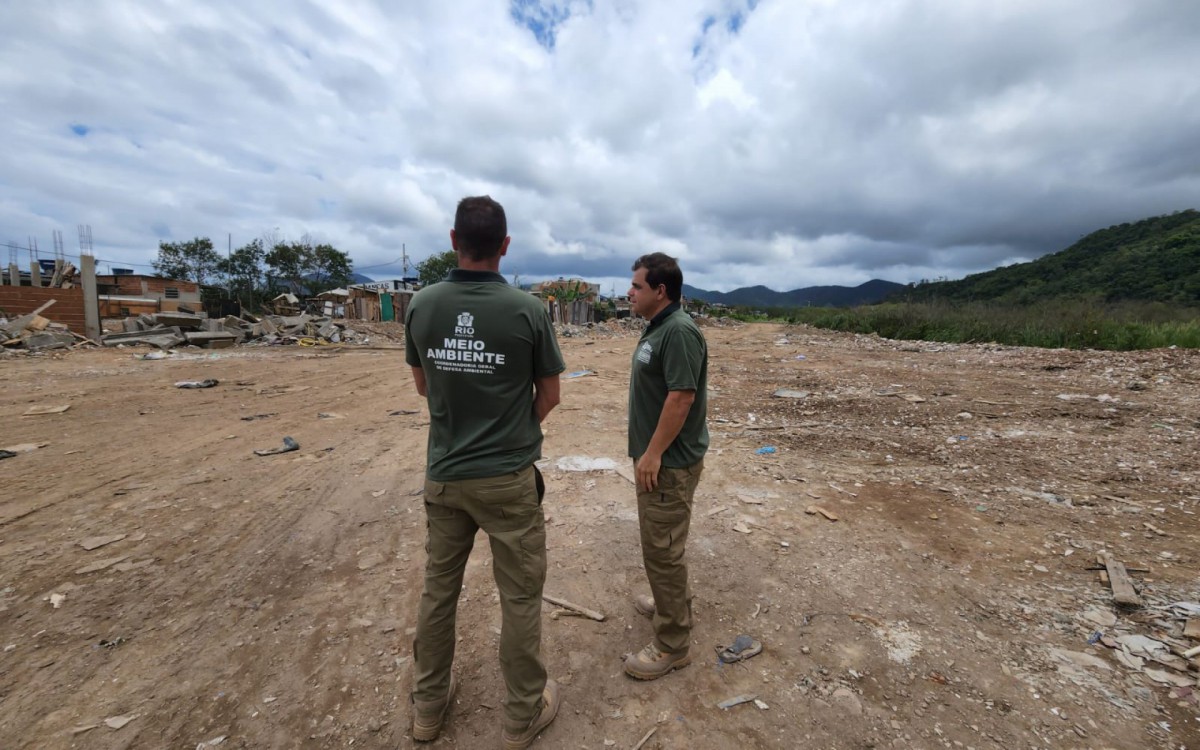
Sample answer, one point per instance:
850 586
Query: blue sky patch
542 19
80 130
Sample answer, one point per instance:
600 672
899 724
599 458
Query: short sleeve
411 354
547 359
682 360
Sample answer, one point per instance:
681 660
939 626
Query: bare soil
270 601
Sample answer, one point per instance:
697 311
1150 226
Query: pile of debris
35 333
166 330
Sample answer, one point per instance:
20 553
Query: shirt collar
461 274
664 313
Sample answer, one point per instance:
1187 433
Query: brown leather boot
651 663
429 716
519 739
644 604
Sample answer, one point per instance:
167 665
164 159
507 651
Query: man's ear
503 245
453 241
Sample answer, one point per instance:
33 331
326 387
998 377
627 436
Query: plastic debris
585 463
736 701
765 450
742 648
288 445
207 383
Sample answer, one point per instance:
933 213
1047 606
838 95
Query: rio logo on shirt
463 352
466 323
644 352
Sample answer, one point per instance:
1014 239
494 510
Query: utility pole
404 259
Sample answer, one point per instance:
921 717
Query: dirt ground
270 601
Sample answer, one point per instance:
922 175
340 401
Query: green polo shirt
480 343
671 356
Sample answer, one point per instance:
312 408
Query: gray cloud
770 142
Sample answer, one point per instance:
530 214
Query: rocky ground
161 585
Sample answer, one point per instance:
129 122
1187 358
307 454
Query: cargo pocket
533 557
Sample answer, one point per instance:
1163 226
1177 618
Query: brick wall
68 309
153 287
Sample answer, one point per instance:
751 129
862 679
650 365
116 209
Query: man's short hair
480 227
662 269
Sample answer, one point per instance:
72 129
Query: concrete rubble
167 330
35 333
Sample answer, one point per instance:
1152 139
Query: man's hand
646 471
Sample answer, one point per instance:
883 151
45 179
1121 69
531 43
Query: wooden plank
1122 585
589 613
1192 629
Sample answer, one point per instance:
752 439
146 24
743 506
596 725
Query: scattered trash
591 614
253 417
96 542
211 743
1118 578
22 448
116 722
750 500
207 383
585 463
330 415
99 565
34 411
578 374
741 528
813 510
801 357
56 600
288 445
379 493
765 450
645 738
760 705
742 648
789 393
736 701
7 454
157 354
402 412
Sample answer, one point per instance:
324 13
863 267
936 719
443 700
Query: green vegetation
1056 324
435 268
1154 260
252 273
1131 286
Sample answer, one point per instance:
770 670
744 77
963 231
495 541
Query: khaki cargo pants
509 509
664 516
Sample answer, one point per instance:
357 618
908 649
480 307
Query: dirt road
270 600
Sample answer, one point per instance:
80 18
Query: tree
435 268
329 268
301 264
287 262
194 260
243 271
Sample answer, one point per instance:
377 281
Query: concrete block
200 338
49 340
180 320
131 325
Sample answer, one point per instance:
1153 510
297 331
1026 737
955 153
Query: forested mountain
1156 259
819 296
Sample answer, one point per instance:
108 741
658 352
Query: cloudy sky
788 143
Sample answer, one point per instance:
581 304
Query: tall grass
1063 324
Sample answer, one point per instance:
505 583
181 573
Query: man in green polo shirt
484 356
668 436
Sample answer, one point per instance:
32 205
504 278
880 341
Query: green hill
1154 260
